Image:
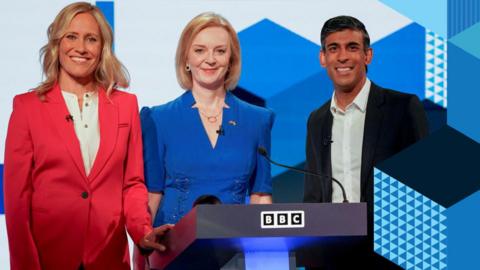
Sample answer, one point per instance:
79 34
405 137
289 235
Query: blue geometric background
461 15
281 68
436 69
409 229
434 186
463 102
426 213
463 236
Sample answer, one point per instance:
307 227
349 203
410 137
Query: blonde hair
197 24
109 72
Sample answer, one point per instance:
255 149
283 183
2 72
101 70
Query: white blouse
86 125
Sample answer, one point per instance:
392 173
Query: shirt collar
90 94
188 100
360 100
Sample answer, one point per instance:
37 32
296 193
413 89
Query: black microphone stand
262 151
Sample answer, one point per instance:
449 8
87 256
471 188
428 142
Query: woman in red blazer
74 169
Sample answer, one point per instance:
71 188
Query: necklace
210 118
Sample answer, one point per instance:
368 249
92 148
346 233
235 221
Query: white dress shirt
86 125
346 148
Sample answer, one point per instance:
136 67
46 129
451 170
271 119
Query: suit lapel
325 143
59 113
373 124
325 149
108 121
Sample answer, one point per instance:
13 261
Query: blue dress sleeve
261 180
153 152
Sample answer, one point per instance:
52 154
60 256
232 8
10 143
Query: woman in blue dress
206 140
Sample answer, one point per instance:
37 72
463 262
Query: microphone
327 140
262 151
69 117
220 131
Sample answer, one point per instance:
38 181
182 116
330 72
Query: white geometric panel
436 68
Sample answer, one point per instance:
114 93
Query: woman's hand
151 240
260 198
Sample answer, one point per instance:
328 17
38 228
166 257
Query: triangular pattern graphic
414 239
436 68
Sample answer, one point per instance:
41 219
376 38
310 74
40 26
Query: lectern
256 236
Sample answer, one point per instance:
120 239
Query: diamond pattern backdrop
409 229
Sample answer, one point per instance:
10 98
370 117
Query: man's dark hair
340 23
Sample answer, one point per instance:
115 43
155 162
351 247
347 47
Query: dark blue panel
288 186
436 115
2 208
274 58
463 91
443 166
399 61
248 97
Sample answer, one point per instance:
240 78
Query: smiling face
209 57
345 58
80 49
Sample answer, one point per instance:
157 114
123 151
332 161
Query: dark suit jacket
393 121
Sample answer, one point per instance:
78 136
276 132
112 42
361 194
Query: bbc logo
282 219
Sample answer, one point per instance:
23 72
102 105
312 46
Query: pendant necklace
212 118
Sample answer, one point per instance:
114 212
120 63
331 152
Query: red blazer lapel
59 116
108 121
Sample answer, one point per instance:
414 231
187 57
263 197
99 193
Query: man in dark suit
360 126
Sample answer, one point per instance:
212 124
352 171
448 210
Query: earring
187 67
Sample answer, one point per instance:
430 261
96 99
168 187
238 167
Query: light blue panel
463 94
409 228
267 260
432 14
399 61
468 40
464 233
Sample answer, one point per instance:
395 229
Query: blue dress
180 161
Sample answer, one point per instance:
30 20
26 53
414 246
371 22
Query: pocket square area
121 125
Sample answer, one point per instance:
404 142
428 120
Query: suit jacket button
84 194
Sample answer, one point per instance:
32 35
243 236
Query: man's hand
151 240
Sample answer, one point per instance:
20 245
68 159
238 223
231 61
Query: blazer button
84 194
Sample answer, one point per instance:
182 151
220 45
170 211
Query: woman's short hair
109 72
197 24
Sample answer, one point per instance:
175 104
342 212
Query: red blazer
57 216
